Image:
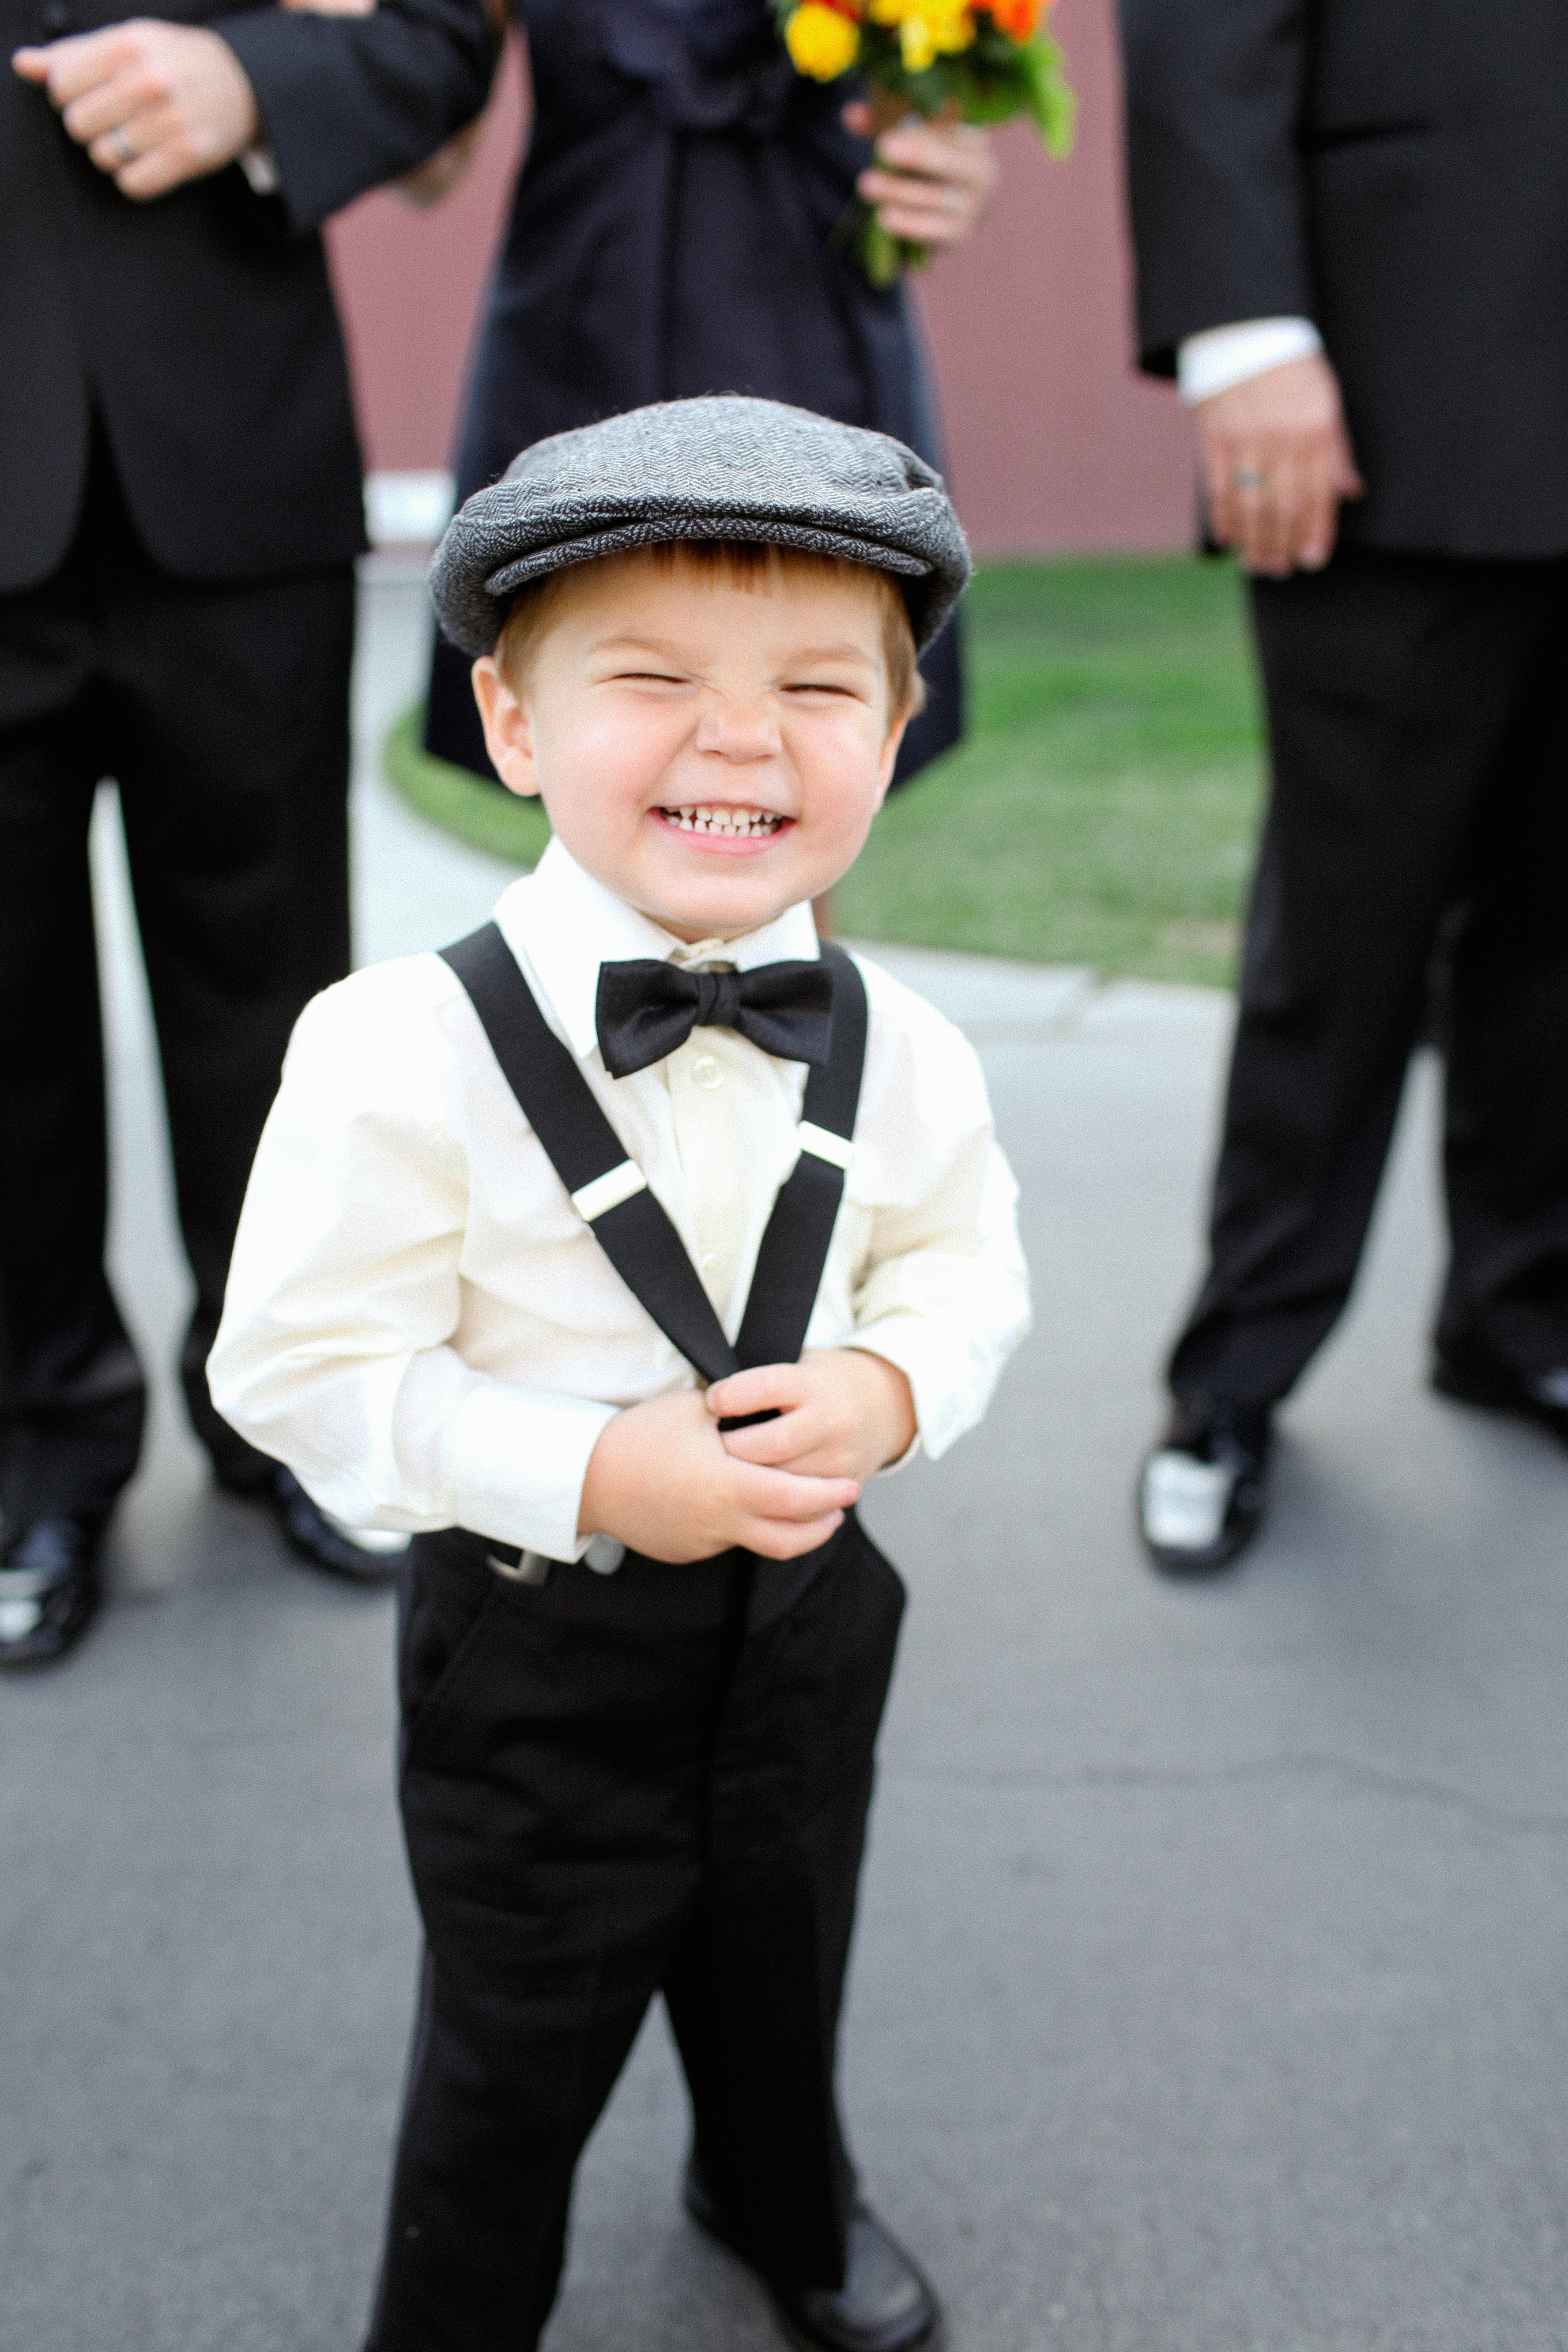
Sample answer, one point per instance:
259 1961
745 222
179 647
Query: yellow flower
952 27
821 42
950 24
918 47
929 29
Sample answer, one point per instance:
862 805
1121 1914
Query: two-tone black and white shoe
355 1555
1203 1490
48 1590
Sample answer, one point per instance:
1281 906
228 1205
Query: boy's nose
738 731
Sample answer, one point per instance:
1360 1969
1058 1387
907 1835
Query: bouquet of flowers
947 60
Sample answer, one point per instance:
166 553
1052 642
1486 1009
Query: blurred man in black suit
1351 228
181 517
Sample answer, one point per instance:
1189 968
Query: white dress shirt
420 1324
1222 356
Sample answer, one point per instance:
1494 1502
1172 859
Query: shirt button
707 1073
711 1261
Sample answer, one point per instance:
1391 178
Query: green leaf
882 254
1051 98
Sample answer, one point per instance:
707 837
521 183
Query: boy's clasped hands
665 1479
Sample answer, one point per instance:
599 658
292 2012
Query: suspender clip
823 1144
609 1190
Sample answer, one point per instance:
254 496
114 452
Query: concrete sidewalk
1209 1993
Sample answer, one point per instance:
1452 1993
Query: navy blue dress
669 236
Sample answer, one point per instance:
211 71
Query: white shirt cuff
515 1463
904 1341
260 168
1222 356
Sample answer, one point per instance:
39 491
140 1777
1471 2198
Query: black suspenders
611 1193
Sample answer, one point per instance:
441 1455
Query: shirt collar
564 924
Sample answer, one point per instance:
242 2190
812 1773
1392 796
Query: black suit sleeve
348 102
1215 91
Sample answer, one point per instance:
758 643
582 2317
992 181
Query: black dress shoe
885 2304
357 1554
1464 1371
48 1590
1203 1490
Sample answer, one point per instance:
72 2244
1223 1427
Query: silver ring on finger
953 197
119 145
1249 477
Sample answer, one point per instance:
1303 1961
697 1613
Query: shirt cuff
260 168
903 1342
899 1461
516 1460
1223 356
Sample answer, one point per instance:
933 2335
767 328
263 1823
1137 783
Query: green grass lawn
1102 811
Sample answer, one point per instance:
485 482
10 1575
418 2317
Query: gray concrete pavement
1209 1993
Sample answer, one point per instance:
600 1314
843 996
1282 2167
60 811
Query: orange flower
1016 18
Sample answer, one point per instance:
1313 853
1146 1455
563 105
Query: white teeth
751 824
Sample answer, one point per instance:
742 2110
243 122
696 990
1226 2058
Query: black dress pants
1418 724
221 712
612 1788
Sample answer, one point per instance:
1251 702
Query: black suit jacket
202 324
1397 172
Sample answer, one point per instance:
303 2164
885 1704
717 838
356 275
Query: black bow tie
645 1010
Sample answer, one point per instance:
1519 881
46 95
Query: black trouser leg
222 713
1506 1149
71 1393
231 746
552 1803
756 1988
1394 687
595 1809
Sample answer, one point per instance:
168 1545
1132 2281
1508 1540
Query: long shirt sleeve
1213 95
421 1324
349 101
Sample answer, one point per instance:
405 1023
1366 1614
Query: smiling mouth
728 823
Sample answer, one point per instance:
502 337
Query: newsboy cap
723 468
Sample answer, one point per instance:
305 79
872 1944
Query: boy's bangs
744 563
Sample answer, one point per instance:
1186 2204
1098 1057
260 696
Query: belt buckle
603 1556
528 1567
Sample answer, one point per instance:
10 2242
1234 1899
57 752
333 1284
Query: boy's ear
509 730
890 758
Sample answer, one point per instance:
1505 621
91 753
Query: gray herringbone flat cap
714 469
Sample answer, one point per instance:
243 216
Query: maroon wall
1054 442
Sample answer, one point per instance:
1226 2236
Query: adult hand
439 174
842 1413
154 104
661 1480
1277 463
940 178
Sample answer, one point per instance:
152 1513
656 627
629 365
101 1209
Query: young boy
535 1235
